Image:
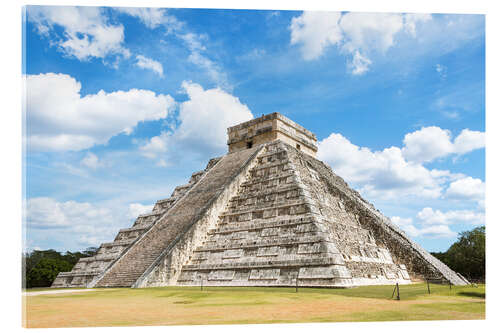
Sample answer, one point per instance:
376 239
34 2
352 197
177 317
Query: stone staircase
174 223
88 269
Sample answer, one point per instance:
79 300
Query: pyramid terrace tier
286 190
295 262
163 205
349 270
308 246
73 279
295 207
258 224
256 185
266 230
139 227
147 218
292 273
258 234
288 194
260 242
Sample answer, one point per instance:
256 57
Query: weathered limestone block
221 275
265 274
328 272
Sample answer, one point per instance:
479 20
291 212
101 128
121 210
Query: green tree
467 255
40 268
45 272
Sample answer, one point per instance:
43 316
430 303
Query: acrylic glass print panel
283 166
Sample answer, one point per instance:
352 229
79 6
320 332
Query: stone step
268 165
255 180
117 243
105 257
276 241
263 207
136 228
256 224
332 259
267 206
266 192
150 214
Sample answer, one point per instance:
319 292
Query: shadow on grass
477 294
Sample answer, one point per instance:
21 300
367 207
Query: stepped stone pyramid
268 213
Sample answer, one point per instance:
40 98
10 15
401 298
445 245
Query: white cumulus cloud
315 31
468 141
86 32
47 213
430 143
394 172
383 173
156 146
427 144
432 231
73 225
203 120
356 34
136 209
59 118
359 63
429 216
152 17
467 188
147 63
431 223
370 31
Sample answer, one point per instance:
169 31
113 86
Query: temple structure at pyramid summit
267 213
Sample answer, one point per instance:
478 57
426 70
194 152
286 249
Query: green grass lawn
190 305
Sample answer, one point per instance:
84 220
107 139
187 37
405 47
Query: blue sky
122 105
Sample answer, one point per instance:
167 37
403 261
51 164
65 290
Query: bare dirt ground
57 291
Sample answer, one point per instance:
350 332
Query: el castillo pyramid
267 213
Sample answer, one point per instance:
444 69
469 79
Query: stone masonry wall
419 263
368 261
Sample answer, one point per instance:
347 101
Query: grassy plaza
193 306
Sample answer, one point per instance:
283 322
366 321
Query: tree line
40 268
467 256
